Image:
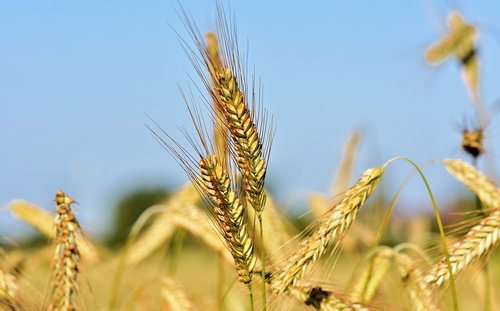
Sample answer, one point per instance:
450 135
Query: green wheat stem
440 226
263 263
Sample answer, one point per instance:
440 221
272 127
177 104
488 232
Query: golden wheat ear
43 222
238 108
483 237
8 290
66 261
175 297
329 231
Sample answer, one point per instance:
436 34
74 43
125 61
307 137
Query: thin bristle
329 231
229 216
66 260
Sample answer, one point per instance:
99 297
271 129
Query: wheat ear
479 241
220 130
329 232
66 257
162 228
8 289
229 216
43 221
371 276
478 183
174 296
245 137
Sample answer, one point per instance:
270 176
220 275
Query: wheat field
221 242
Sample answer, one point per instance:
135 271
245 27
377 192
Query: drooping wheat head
477 182
329 231
460 42
66 260
479 241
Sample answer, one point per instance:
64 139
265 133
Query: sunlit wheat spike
162 228
460 42
421 294
43 221
229 216
8 289
66 260
240 104
478 183
220 130
321 299
372 274
174 296
245 136
479 241
329 231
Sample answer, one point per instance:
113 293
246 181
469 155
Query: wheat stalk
66 257
329 232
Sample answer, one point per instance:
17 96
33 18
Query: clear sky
77 77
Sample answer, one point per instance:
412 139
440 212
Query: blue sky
76 79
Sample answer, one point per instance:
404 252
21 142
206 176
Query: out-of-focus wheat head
174 296
459 42
43 221
65 271
8 289
373 272
162 228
